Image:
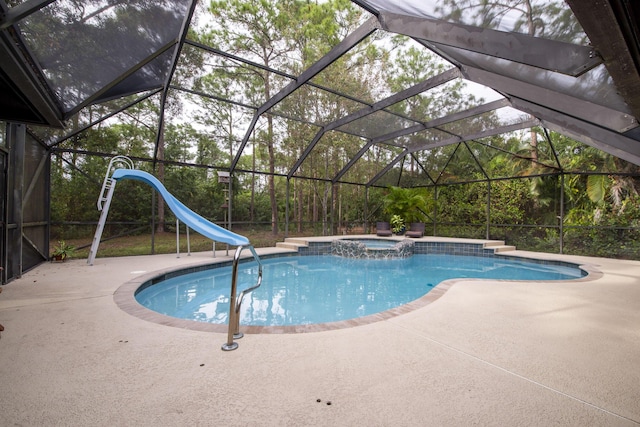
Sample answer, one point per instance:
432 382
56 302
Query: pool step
498 246
293 244
502 248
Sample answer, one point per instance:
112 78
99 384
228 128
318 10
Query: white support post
188 242
177 238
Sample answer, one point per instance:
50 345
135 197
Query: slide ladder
104 201
191 219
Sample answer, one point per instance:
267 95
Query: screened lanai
430 95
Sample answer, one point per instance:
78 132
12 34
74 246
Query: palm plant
407 203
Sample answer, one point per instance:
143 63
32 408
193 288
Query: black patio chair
416 229
383 229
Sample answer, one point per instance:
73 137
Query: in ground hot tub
372 248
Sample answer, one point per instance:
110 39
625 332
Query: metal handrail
236 303
121 161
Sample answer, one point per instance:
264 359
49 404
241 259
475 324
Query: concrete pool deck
484 353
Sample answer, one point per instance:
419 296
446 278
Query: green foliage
464 175
405 203
463 203
63 250
397 223
510 202
597 187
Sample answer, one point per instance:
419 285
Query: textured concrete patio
484 353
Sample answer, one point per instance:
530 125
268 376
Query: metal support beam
620 121
435 209
334 54
340 49
542 53
269 69
213 97
286 212
520 156
454 140
16 137
380 105
242 105
561 230
478 135
21 11
34 101
424 170
553 150
169 77
475 158
4 215
34 178
184 30
333 225
388 167
446 165
353 161
417 89
488 228
103 118
366 210
612 29
433 124
230 204
603 139
98 95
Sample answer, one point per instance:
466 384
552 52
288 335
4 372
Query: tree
549 19
262 31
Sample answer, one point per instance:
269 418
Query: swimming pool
303 290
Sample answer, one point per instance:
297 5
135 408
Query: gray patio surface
485 353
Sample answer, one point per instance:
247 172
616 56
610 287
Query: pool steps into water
497 246
292 243
502 248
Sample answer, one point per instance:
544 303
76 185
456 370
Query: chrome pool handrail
236 303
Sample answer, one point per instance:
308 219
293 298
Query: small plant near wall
62 251
397 224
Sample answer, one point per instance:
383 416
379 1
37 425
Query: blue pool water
318 289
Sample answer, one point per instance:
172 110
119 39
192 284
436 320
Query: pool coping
124 296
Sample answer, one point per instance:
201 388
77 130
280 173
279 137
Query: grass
164 243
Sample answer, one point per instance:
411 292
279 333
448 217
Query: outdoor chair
416 229
383 229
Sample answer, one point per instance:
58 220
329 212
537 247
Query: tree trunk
252 207
272 163
315 204
299 189
272 183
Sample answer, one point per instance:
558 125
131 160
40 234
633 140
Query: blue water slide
183 213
